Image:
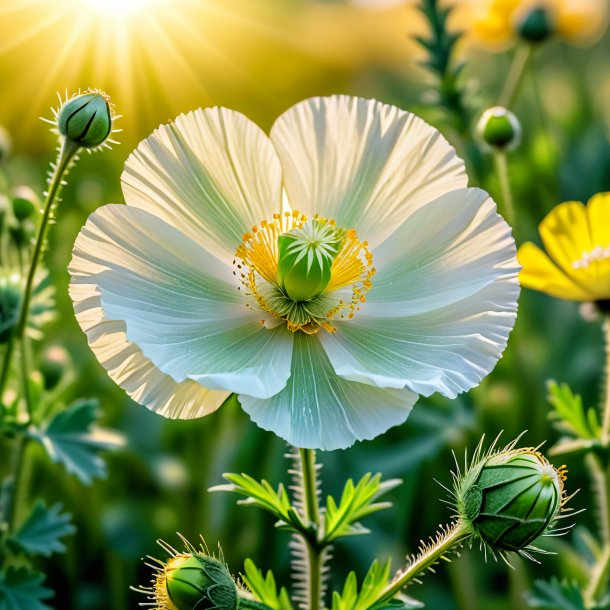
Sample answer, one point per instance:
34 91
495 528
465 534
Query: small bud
510 498
25 202
499 129
10 301
21 232
305 259
535 25
86 119
6 144
53 365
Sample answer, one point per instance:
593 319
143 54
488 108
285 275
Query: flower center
598 254
304 272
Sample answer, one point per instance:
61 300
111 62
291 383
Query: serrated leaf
357 501
569 415
375 581
264 588
262 495
41 532
21 589
556 595
71 438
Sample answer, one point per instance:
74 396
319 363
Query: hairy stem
311 511
522 58
429 554
66 155
501 165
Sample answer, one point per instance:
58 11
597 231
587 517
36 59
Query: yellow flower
495 22
577 240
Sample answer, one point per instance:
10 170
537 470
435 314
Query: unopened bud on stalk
499 129
10 300
510 498
86 119
54 362
25 202
536 24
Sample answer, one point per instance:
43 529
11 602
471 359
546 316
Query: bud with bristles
499 129
510 498
86 119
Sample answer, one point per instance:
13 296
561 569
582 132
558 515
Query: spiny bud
10 301
510 498
86 119
499 129
536 25
6 144
25 202
305 259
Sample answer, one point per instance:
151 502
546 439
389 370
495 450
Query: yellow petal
566 235
598 210
540 273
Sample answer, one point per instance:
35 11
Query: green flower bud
86 119
499 129
25 202
305 259
53 365
195 581
10 301
536 25
21 232
6 144
511 498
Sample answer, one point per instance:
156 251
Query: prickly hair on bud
499 129
511 497
191 580
86 119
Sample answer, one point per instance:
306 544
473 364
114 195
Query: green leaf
41 532
556 595
262 495
357 501
21 589
264 588
569 415
71 438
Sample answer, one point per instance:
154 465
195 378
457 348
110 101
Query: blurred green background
260 57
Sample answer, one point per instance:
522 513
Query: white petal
366 164
319 410
175 302
442 305
212 174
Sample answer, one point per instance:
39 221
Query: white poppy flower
327 274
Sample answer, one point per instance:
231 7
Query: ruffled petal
212 174
366 164
319 410
539 272
446 251
176 304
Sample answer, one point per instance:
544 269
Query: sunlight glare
119 8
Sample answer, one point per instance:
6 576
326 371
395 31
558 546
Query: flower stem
501 165
429 555
605 433
312 515
19 466
522 58
66 154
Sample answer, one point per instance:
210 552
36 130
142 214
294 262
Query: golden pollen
256 265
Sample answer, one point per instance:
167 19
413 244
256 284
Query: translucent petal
177 305
319 410
212 174
366 164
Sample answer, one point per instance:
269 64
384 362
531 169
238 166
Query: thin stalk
311 510
12 514
427 557
522 58
501 166
605 434
66 155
